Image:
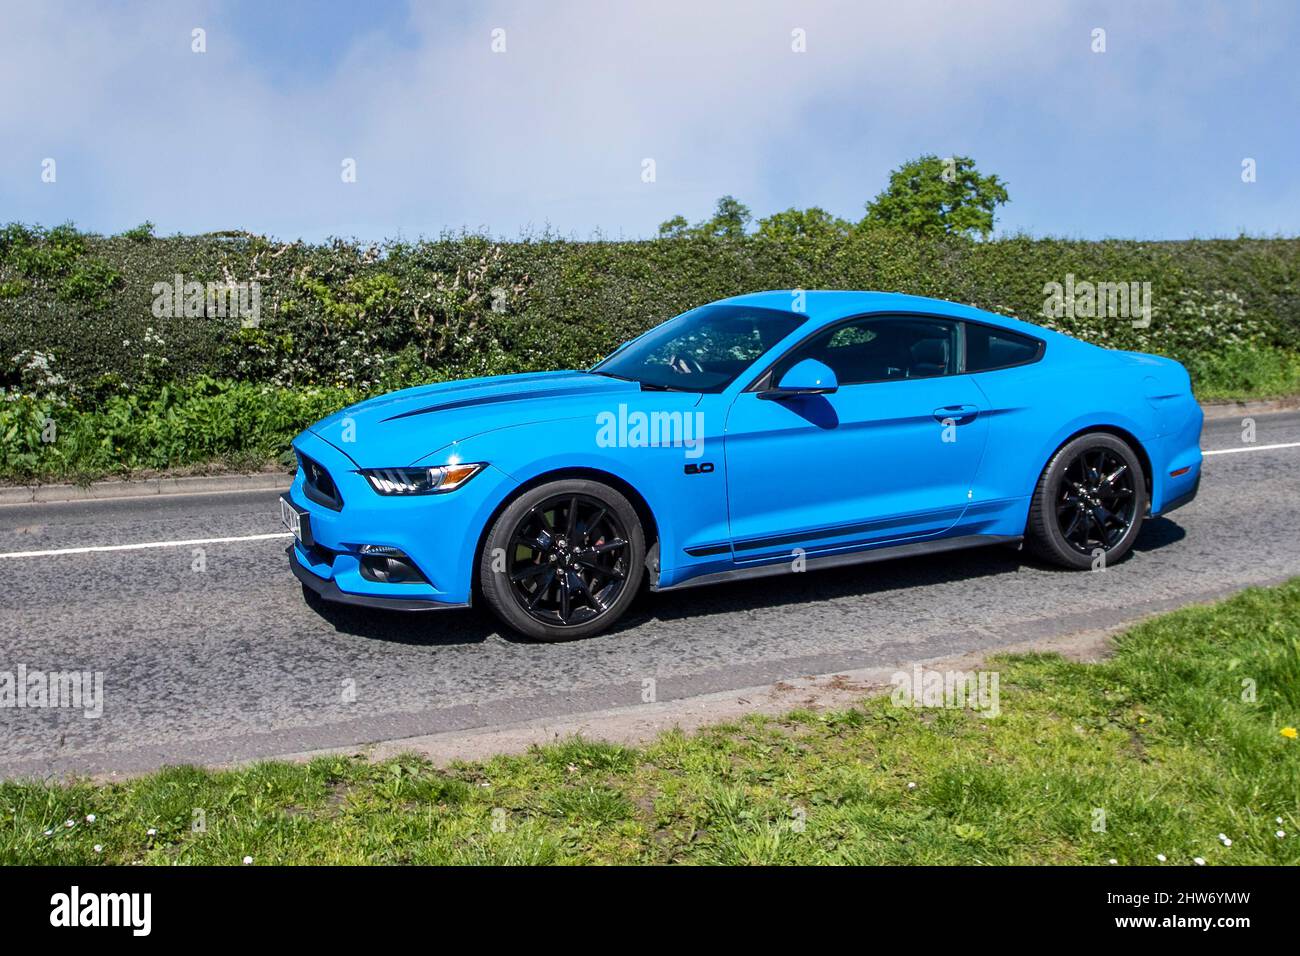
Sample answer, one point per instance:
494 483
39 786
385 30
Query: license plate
296 520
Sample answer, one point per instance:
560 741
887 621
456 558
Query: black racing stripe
704 550
441 389
882 524
499 400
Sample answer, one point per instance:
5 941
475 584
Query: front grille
318 485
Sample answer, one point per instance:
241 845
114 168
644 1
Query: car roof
823 306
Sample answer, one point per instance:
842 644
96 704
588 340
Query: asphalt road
229 663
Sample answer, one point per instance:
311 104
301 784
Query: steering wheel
684 365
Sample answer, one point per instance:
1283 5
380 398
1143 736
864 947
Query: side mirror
809 377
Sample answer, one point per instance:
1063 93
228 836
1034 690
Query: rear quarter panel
1034 409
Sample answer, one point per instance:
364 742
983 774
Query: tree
730 218
802 223
674 228
929 196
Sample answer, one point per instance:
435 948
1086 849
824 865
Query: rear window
988 348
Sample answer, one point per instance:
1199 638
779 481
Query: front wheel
564 560
1088 506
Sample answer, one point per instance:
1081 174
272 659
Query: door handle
957 414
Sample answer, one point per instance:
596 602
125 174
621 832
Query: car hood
402 427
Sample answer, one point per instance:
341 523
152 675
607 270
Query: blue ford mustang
759 435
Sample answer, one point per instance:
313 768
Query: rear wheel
1088 506
564 560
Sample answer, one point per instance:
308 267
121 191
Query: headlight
420 481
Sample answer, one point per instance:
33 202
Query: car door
890 455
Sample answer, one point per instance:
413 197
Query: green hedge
80 345
346 314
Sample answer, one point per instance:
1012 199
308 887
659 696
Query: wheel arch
1124 435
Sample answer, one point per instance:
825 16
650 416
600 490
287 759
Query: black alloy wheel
563 560
567 560
1088 505
1097 502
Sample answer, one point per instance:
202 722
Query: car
765 434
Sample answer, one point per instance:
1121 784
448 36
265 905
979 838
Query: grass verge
1176 739
204 425
1244 374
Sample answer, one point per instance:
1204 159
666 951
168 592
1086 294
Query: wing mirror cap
809 377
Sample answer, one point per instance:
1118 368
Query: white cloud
446 133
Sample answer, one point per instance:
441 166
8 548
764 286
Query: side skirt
907 550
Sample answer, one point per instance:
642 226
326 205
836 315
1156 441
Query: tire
1088 504
563 561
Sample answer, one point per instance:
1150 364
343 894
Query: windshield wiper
645 386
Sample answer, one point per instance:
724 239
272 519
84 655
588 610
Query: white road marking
147 544
288 534
1232 451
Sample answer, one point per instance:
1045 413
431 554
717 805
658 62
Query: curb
102 490
201 485
1215 410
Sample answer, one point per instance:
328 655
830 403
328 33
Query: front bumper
438 533
330 591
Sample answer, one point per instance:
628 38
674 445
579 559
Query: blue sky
1143 140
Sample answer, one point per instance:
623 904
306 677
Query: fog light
388 565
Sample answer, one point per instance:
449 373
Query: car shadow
863 580
417 628
475 625
860 580
1157 533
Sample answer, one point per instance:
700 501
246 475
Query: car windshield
702 350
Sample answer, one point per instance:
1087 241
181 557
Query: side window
880 350
988 348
